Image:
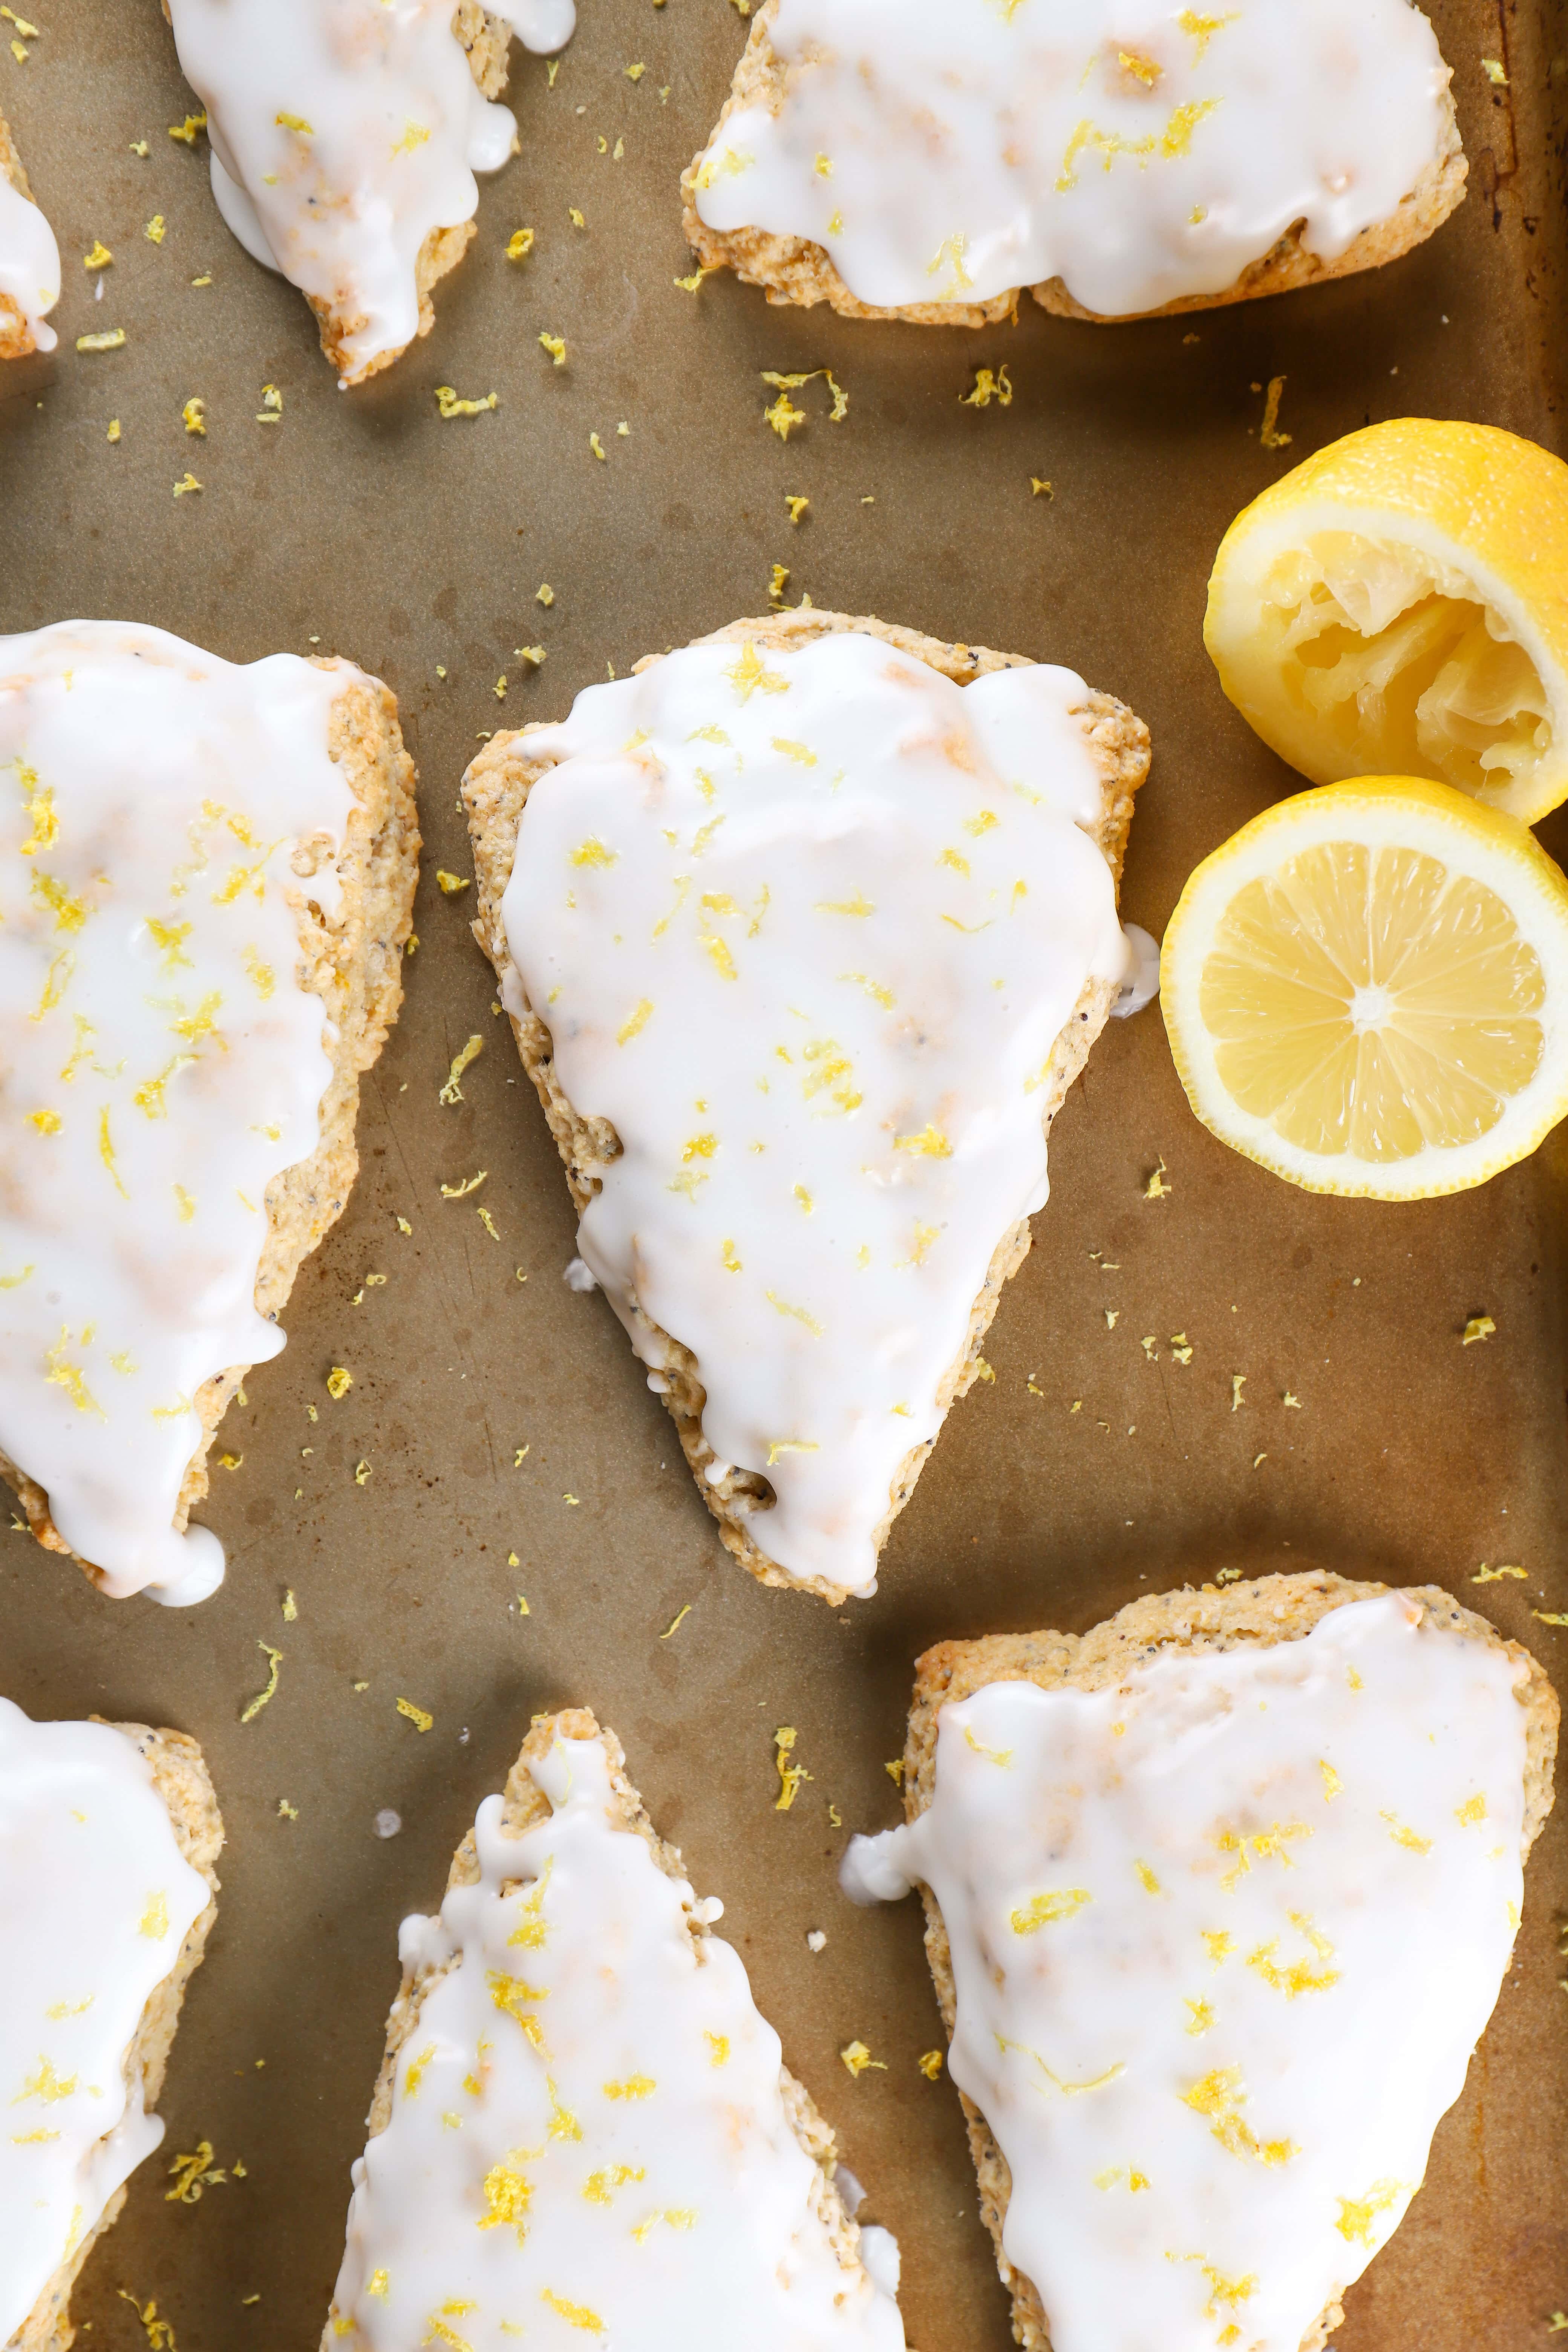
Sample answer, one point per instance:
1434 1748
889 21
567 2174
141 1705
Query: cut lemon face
1399 606
1367 990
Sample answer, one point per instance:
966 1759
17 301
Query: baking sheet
368 523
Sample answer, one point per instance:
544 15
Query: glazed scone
345 136
1219 1898
582 2122
929 161
108 1834
209 873
804 931
29 260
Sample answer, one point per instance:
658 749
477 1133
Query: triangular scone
1220 1899
929 162
29 260
345 136
582 2122
804 931
108 1834
207 873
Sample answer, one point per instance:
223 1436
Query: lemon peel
1398 605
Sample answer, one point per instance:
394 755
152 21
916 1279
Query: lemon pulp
1391 665
1369 1002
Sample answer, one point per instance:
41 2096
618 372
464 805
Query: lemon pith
1367 990
1399 603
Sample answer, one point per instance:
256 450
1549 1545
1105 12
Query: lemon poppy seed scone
582 2122
928 159
207 875
108 1838
1220 1899
805 930
29 260
345 137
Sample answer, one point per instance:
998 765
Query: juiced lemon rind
1480 505
1406 813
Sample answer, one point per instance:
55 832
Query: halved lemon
1366 990
1399 606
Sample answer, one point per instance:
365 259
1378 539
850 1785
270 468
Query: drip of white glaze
1141 985
587 2138
1224 1935
96 1900
804 928
162 813
944 151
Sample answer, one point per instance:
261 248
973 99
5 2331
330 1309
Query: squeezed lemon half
1366 990
1399 606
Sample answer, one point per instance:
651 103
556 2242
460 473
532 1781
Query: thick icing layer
160 1064
943 151
1223 1937
96 1900
343 132
29 262
805 928
587 2136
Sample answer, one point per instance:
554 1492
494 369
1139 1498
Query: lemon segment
1398 605
1366 990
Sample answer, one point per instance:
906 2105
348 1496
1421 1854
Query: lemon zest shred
264 1697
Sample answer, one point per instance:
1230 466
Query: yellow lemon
1399 606
1366 990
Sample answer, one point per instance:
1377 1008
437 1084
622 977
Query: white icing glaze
96 1900
160 1063
1283 1883
805 930
343 132
29 262
587 2137
1141 985
947 150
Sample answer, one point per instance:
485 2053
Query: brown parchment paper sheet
368 523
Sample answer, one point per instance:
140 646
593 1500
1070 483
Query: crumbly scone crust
1271 1610
180 1777
16 335
11 163
795 269
495 792
354 961
524 1805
